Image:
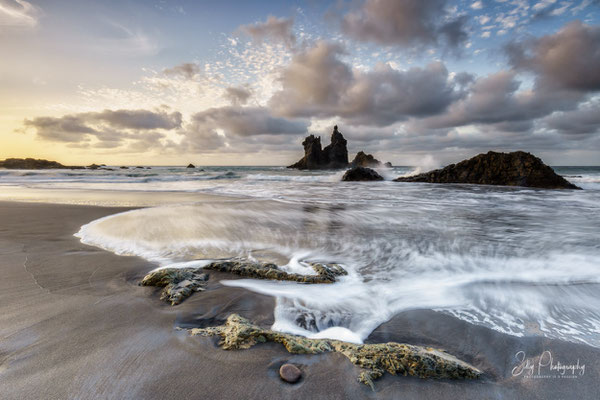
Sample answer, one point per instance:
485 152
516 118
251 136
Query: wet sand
75 324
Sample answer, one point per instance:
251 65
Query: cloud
237 95
477 5
232 126
246 121
276 29
405 23
186 70
136 119
496 99
18 13
317 83
582 122
106 129
124 39
568 59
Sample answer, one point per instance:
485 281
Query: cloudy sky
223 82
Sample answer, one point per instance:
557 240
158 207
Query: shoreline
75 324
130 199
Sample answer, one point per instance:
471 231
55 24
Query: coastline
75 324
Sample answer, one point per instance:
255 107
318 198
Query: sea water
521 261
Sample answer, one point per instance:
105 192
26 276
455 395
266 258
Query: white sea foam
519 261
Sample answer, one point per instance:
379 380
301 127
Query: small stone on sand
290 373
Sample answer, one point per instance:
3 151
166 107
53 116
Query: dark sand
75 325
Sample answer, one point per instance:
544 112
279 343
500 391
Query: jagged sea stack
337 152
333 156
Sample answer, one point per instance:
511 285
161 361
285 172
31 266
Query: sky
414 82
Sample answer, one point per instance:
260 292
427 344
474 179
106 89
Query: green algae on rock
326 273
374 359
181 283
178 283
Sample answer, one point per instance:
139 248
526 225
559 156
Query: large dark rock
361 174
363 159
333 156
191 166
509 169
336 154
31 163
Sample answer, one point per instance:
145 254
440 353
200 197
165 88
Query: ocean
520 261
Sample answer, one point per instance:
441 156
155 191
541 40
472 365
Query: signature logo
546 367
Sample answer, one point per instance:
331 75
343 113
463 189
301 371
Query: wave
518 265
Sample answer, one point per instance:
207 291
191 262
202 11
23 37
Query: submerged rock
365 160
509 169
361 174
374 359
178 283
333 156
326 273
290 373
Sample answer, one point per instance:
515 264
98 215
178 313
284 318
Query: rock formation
361 174
333 156
509 169
178 283
326 273
191 166
181 283
375 359
31 163
365 160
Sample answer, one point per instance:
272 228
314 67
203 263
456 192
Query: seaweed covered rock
178 283
361 174
326 273
333 156
509 169
181 283
374 359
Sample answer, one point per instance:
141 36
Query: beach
75 324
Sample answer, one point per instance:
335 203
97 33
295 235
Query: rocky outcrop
31 163
326 273
181 283
374 359
333 156
361 174
363 159
191 166
178 283
509 169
